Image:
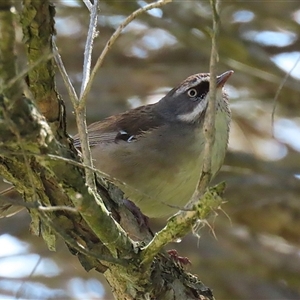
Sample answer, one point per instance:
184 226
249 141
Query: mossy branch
183 222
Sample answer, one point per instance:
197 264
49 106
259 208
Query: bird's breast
162 168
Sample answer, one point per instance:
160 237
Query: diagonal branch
112 40
80 110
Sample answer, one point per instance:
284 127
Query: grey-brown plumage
157 150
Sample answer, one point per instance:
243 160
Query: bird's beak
221 79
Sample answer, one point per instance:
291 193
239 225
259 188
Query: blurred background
252 248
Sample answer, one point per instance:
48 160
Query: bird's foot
180 260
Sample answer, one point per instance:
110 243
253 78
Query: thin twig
278 92
89 46
30 205
88 4
80 110
88 80
27 69
58 208
209 121
18 293
68 84
81 165
112 40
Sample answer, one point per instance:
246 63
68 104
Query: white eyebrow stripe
187 85
191 82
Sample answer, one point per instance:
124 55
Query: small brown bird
155 152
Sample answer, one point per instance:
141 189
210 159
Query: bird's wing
127 126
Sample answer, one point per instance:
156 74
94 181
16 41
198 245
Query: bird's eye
192 93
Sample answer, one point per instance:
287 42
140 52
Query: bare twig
80 110
58 208
278 92
88 4
27 69
112 40
12 201
18 293
88 78
89 46
81 165
209 121
69 86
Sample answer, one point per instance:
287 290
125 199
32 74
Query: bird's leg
180 260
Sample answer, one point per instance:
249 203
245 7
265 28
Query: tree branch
112 40
209 120
183 222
